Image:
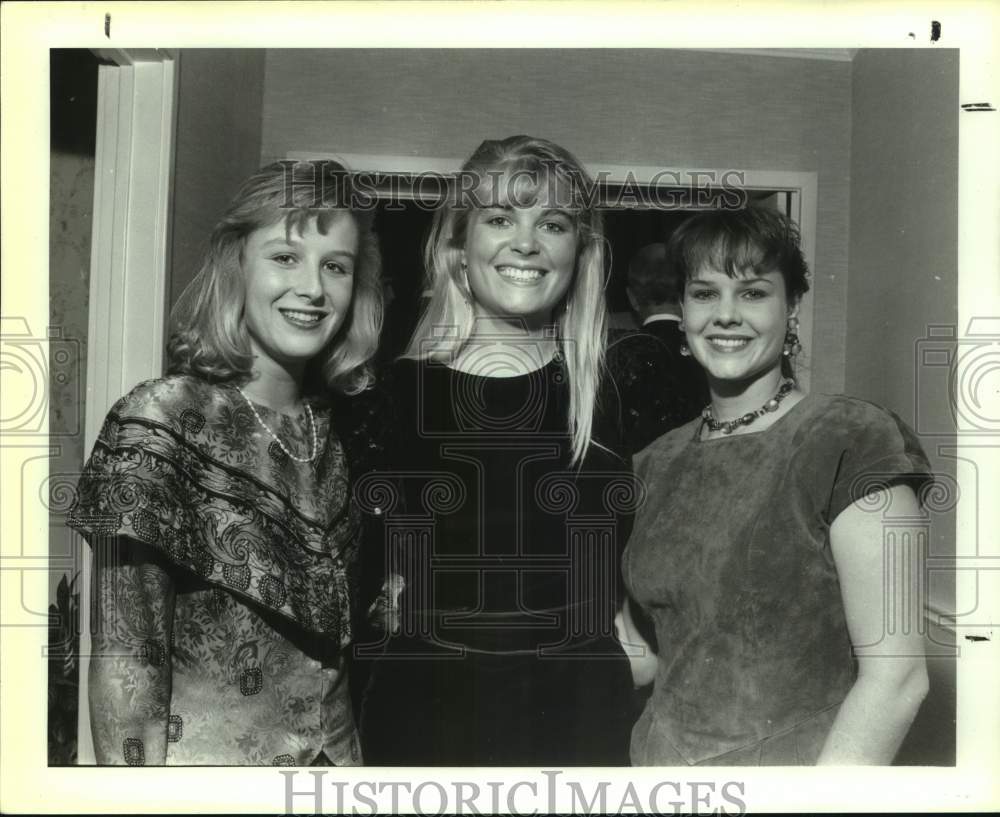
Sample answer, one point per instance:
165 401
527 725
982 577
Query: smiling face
736 326
520 259
298 291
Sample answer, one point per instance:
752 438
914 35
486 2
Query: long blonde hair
208 336
582 316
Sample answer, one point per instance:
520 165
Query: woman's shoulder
171 386
861 446
668 445
168 396
842 417
846 406
854 434
408 376
404 371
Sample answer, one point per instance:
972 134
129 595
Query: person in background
503 494
660 388
784 613
217 500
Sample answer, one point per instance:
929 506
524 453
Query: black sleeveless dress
504 651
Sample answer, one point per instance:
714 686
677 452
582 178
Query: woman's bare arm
879 577
642 658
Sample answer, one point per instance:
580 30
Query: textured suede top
730 558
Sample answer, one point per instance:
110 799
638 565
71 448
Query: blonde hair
208 336
582 316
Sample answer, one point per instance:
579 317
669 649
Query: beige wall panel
681 109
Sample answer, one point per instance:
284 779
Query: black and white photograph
500 408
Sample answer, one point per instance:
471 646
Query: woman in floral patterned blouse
217 499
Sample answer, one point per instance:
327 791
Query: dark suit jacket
658 388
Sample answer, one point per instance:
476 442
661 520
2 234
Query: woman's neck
499 348
277 389
732 399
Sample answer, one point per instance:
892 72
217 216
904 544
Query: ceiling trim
834 54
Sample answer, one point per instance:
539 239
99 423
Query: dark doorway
403 228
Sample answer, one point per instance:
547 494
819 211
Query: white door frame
129 262
800 186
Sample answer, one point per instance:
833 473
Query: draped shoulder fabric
184 467
232 585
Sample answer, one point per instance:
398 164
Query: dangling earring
792 345
684 350
467 290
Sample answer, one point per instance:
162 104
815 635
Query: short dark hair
754 240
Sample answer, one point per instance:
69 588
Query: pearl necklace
277 439
729 426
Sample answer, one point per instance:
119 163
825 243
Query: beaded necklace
277 439
729 426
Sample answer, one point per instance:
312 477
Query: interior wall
72 143
904 214
71 202
904 248
218 144
678 109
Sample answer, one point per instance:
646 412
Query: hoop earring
792 345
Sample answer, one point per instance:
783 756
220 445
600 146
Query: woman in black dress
503 506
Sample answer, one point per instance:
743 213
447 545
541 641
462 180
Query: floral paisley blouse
224 582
